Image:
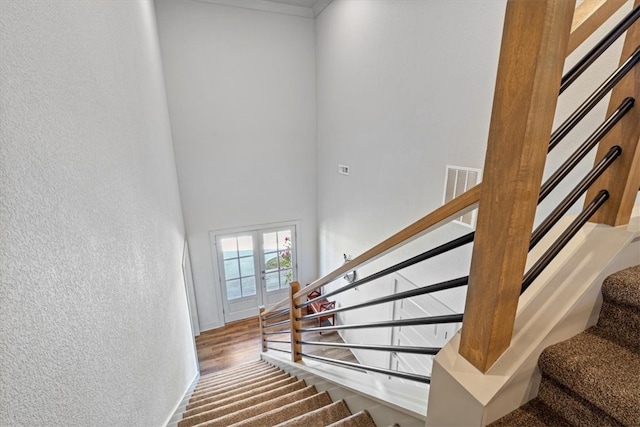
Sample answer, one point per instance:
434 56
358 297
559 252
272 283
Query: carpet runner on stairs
592 379
258 394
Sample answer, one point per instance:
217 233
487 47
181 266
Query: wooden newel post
295 314
261 321
524 104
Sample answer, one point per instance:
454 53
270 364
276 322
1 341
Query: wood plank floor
240 342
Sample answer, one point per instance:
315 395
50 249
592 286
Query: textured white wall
94 328
241 90
404 88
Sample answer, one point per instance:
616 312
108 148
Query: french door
255 268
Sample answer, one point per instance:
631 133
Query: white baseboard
178 409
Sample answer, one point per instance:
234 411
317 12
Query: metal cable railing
595 52
564 238
357 366
566 203
589 144
575 118
453 244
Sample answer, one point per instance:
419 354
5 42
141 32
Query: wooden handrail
587 17
274 307
454 208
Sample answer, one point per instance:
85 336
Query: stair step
361 419
599 371
287 412
261 408
217 401
623 287
234 407
217 390
235 377
532 414
621 324
320 417
573 408
234 385
235 369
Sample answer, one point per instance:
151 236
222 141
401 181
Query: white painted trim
266 6
185 396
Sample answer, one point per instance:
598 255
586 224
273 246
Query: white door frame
217 273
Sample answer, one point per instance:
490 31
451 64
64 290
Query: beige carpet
258 394
592 379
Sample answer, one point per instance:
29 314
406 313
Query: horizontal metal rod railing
278 341
445 247
432 351
585 148
573 196
405 375
284 331
279 349
449 284
274 307
593 99
454 208
432 320
276 315
564 238
599 49
272 325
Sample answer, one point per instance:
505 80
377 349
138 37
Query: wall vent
459 179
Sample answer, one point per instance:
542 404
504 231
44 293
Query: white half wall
94 327
241 90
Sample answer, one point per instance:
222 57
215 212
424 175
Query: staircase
259 394
592 379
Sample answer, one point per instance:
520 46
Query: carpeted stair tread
623 287
240 376
573 408
260 408
532 414
214 391
238 368
599 371
621 324
281 379
286 412
242 405
233 372
234 385
361 419
247 376
231 397
320 417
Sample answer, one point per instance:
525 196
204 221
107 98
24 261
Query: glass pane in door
239 266
278 253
